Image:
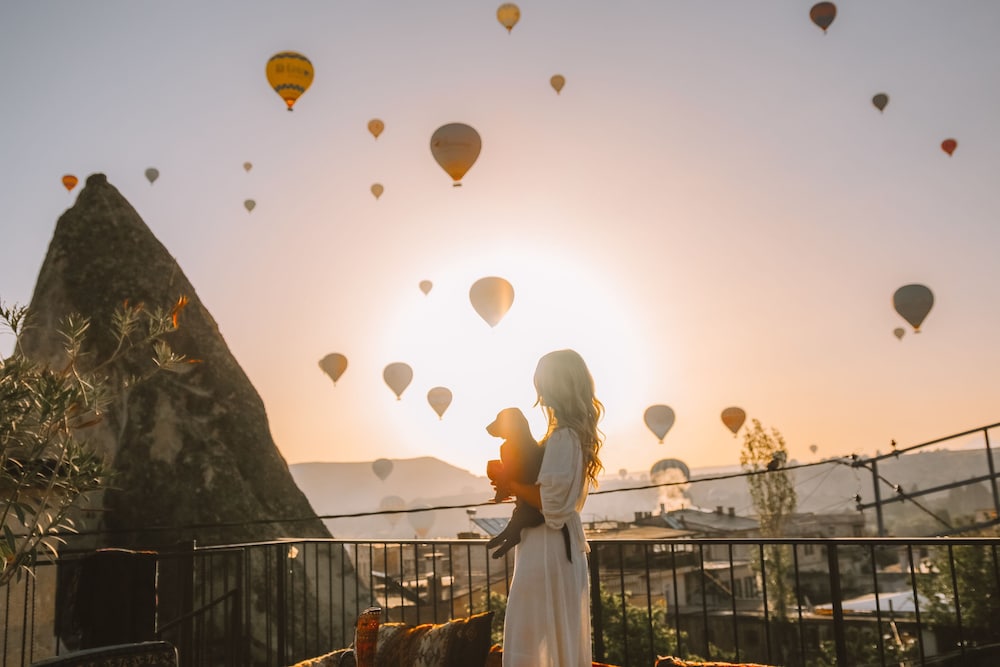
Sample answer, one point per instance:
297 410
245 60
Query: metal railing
808 602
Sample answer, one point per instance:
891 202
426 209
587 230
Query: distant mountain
346 488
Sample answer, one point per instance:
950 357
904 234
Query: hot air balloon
733 418
398 376
375 126
69 182
913 302
439 398
623 473
557 81
334 365
898 332
508 14
823 13
152 174
392 504
290 74
880 100
664 465
247 166
382 468
813 448
421 521
492 298
249 205
425 286
377 190
949 146
659 419
456 146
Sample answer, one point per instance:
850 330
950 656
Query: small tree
774 500
47 465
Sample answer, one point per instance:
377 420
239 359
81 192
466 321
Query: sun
559 302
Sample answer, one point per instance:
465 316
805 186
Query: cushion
463 642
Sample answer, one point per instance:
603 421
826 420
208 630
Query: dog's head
509 424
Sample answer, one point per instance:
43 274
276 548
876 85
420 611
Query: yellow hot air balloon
334 365
375 126
152 174
558 81
290 74
425 286
659 419
377 190
249 205
508 14
382 468
247 166
492 297
398 376
439 399
913 302
733 418
456 146
69 182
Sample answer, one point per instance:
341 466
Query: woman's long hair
565 390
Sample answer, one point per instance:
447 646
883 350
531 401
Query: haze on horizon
711 211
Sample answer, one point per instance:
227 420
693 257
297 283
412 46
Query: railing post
597 621
993 474
878 500
840 641
280 573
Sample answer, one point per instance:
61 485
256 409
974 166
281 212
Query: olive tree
47 465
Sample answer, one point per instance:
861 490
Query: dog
520 461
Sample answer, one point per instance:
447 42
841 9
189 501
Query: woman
547 622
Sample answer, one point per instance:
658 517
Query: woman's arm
531 493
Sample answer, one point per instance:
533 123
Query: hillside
345 488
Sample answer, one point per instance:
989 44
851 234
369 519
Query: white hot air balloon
491 297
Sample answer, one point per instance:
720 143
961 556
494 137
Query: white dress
547 623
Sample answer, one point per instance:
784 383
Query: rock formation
193 455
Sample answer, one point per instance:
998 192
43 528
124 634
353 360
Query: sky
712 212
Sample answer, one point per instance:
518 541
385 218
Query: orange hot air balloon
375 126
382 468
456 147
377 190
949 146
659 419
425 286
880 100
69 182
508 14
334 365
290 74
398 376
247 166
557 82
823 13
913 302
491 297
733 418
439 399
421 521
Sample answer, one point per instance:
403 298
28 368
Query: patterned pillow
463 642
670 661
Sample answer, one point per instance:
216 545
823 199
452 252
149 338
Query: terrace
842 601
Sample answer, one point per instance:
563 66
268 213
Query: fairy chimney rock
193 454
